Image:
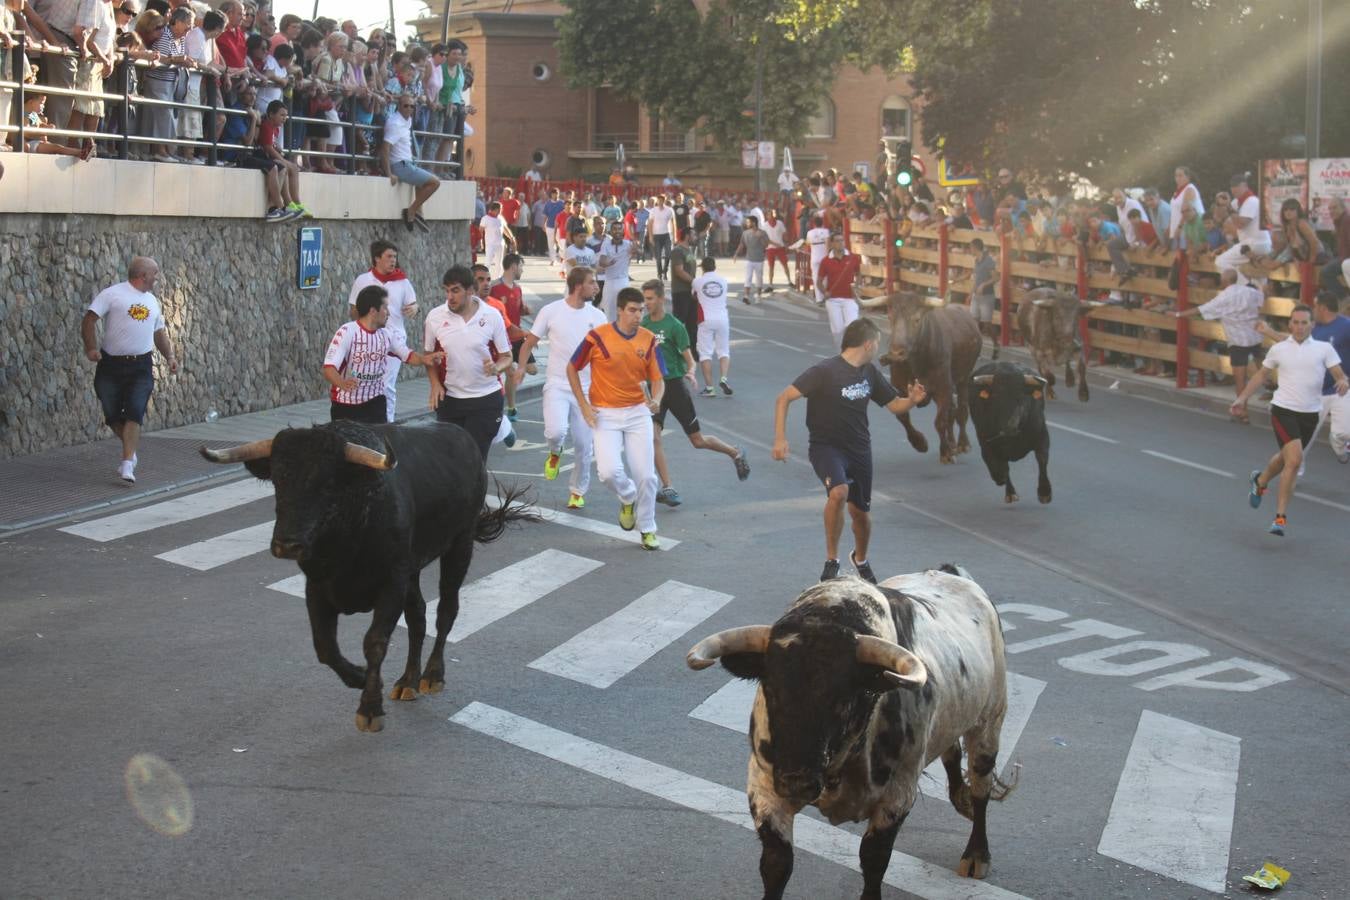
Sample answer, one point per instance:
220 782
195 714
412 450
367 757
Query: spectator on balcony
1124 203
1109 235
1300 242
96 37
1222 208
670 181
268 71
1251 241
1159 212
1340 220
269 147
455 80
232 45
1145 235
330 91
201 50
8 25
287 32
56 21
349 29
1187 195
33 104
160 122
396 162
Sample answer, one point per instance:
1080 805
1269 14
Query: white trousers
754 274
815 277
562 416
841 311
391 386
627 433
1336 409
714 337
609 300
493 253
1233 256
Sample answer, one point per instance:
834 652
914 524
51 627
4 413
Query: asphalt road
1180 686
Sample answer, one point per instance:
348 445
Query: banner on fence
1328 180
1282 179
956 176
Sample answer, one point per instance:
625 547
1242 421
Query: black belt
133 358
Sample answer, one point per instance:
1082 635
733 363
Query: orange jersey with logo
620 364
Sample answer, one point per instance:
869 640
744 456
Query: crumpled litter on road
1270 876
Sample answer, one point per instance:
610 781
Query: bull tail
513 505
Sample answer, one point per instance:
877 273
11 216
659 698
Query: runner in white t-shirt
496 237
818 239
564 324
1302 364
1250 235
614 258
385 272
714 327
576 253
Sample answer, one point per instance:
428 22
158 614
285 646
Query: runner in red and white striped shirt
358 357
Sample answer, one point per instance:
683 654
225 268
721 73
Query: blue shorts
408 173
834 466
123 385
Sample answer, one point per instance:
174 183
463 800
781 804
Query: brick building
529 115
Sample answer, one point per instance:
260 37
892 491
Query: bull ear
260 468
749 666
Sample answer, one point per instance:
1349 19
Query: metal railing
124 136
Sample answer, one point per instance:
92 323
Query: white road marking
1187 462
1023 692
295 586
618 644
1173 809
909 873
729 705
222 549
497 595
581 523
172 512
1311 499
766 340
1086 434
793 309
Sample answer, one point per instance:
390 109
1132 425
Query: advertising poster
1280 180
1328 179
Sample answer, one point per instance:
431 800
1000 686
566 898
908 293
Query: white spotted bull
860 688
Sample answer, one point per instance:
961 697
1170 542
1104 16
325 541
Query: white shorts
714 337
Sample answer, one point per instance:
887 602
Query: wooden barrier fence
939 260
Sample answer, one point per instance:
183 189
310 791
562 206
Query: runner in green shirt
673 340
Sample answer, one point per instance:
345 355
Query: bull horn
1090 304
982 380
1043 302
874 302
903 668
746 639
242 453
1035 381
364 456
935 302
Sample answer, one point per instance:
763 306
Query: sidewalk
46 487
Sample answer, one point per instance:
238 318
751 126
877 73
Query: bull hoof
369 723
948 460
971 867
402 692
1044 498
1011 498
963 446
428 686
1083 393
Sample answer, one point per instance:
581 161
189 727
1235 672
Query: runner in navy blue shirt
837 391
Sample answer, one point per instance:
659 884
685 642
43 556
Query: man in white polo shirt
564 324
133 326
465 390
396 161
384 271
1302 364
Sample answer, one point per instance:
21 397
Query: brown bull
1048 321
938 346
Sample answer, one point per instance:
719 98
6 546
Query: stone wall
247 338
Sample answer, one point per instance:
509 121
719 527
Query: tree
688 68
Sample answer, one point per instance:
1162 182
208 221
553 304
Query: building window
821 125
895 118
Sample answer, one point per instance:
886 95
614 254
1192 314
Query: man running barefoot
673 343
1302 364
564 324
840 448
627 384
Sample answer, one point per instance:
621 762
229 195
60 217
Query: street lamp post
1313 113
759 109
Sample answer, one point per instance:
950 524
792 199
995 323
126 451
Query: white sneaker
127 471
1344 456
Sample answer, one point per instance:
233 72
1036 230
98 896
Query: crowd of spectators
285 89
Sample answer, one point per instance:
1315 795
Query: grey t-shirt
754 241
984 271
683 257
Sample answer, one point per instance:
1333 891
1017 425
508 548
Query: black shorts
258 161
677 402
1239 356
515 350
479 416
834 466
123 385
1292 426
372 412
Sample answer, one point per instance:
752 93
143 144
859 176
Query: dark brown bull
937 345
1048 321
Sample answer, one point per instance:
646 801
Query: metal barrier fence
124 132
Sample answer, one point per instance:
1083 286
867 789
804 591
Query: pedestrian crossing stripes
222 549
615 646
594 526
809 835
172 512
1173 809
729 705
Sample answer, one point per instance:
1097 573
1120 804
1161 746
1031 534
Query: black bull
1009 414
363 509
938 346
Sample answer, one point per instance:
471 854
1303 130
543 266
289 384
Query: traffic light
904 163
